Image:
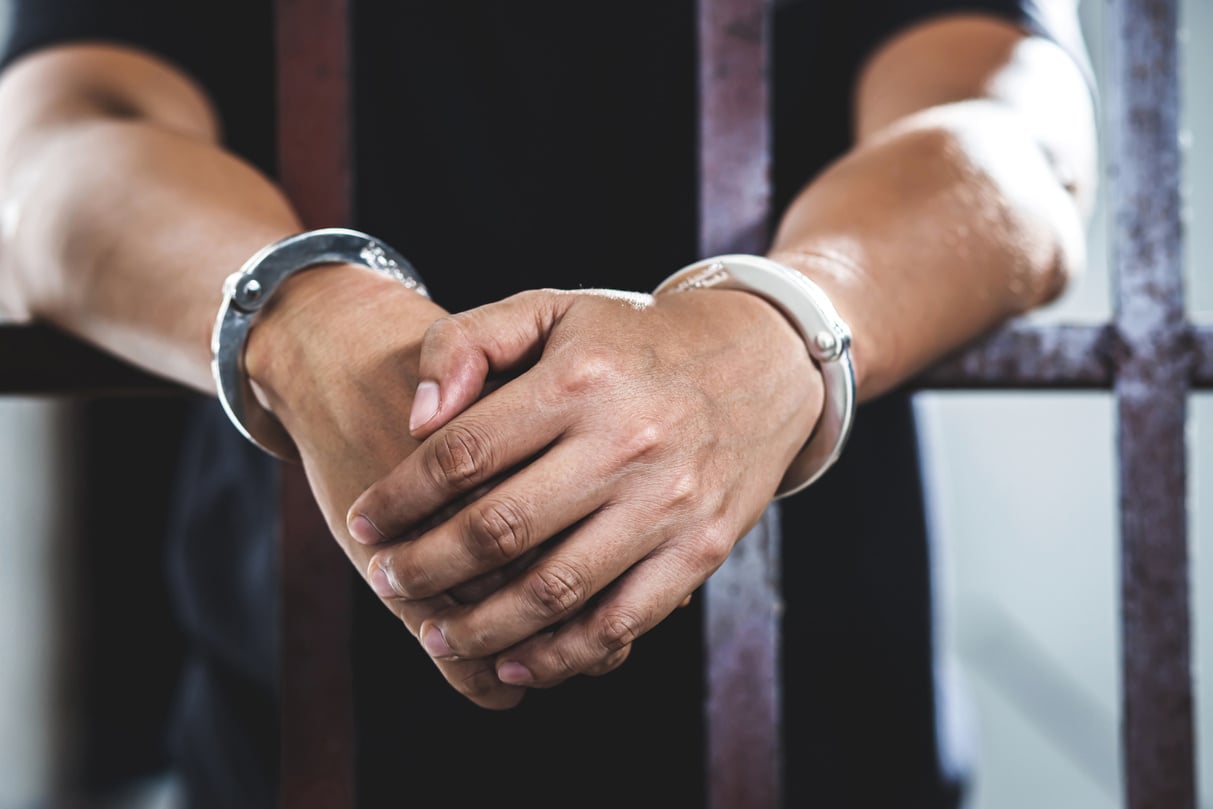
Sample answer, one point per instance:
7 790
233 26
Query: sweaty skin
647 435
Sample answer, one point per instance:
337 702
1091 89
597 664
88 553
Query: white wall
35 524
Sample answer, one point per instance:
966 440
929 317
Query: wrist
330 323
825 336
785 349
250 290
777 367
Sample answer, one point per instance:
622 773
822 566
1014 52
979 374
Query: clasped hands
574 464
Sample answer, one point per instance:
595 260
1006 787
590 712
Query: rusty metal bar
316 638
734 128
1151 395
1023 355
40 360
741 603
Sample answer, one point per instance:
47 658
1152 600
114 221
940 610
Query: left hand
640 439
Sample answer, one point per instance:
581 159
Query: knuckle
557 588
644 437
685 486
683 489
460 455
609 663
617 629
444 331
711 549
589 371
411 579
386 562
497 531
469 635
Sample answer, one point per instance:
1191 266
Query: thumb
460 352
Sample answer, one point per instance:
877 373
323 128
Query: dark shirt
505 146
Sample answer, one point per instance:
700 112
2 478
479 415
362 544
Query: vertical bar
1151 393
742 599
316 655
314 107
734 126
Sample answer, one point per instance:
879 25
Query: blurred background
1022 500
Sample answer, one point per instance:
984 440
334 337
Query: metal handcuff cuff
247 290
826 335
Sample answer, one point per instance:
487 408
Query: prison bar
41 361
1150 355
743 686
1157 740
1145 355
315 168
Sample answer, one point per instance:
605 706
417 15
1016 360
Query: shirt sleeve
1055 20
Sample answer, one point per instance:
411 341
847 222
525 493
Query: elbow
1048 243
1061 208
1033 202
1045 194
1066 263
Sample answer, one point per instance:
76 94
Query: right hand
334 355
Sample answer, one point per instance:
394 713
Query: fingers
511 520
481 587
491 437
459 352
606 666
476 679
558 585
599 639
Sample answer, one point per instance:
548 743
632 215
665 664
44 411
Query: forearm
125 231
122 212
932 232
963 200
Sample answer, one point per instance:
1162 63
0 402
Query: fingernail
363 530
513 673
425 404
381 583
434 643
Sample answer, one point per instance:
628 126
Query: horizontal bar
39 360
1026 355
1023 355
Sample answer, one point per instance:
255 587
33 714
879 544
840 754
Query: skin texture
951 214
121 217
578 463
